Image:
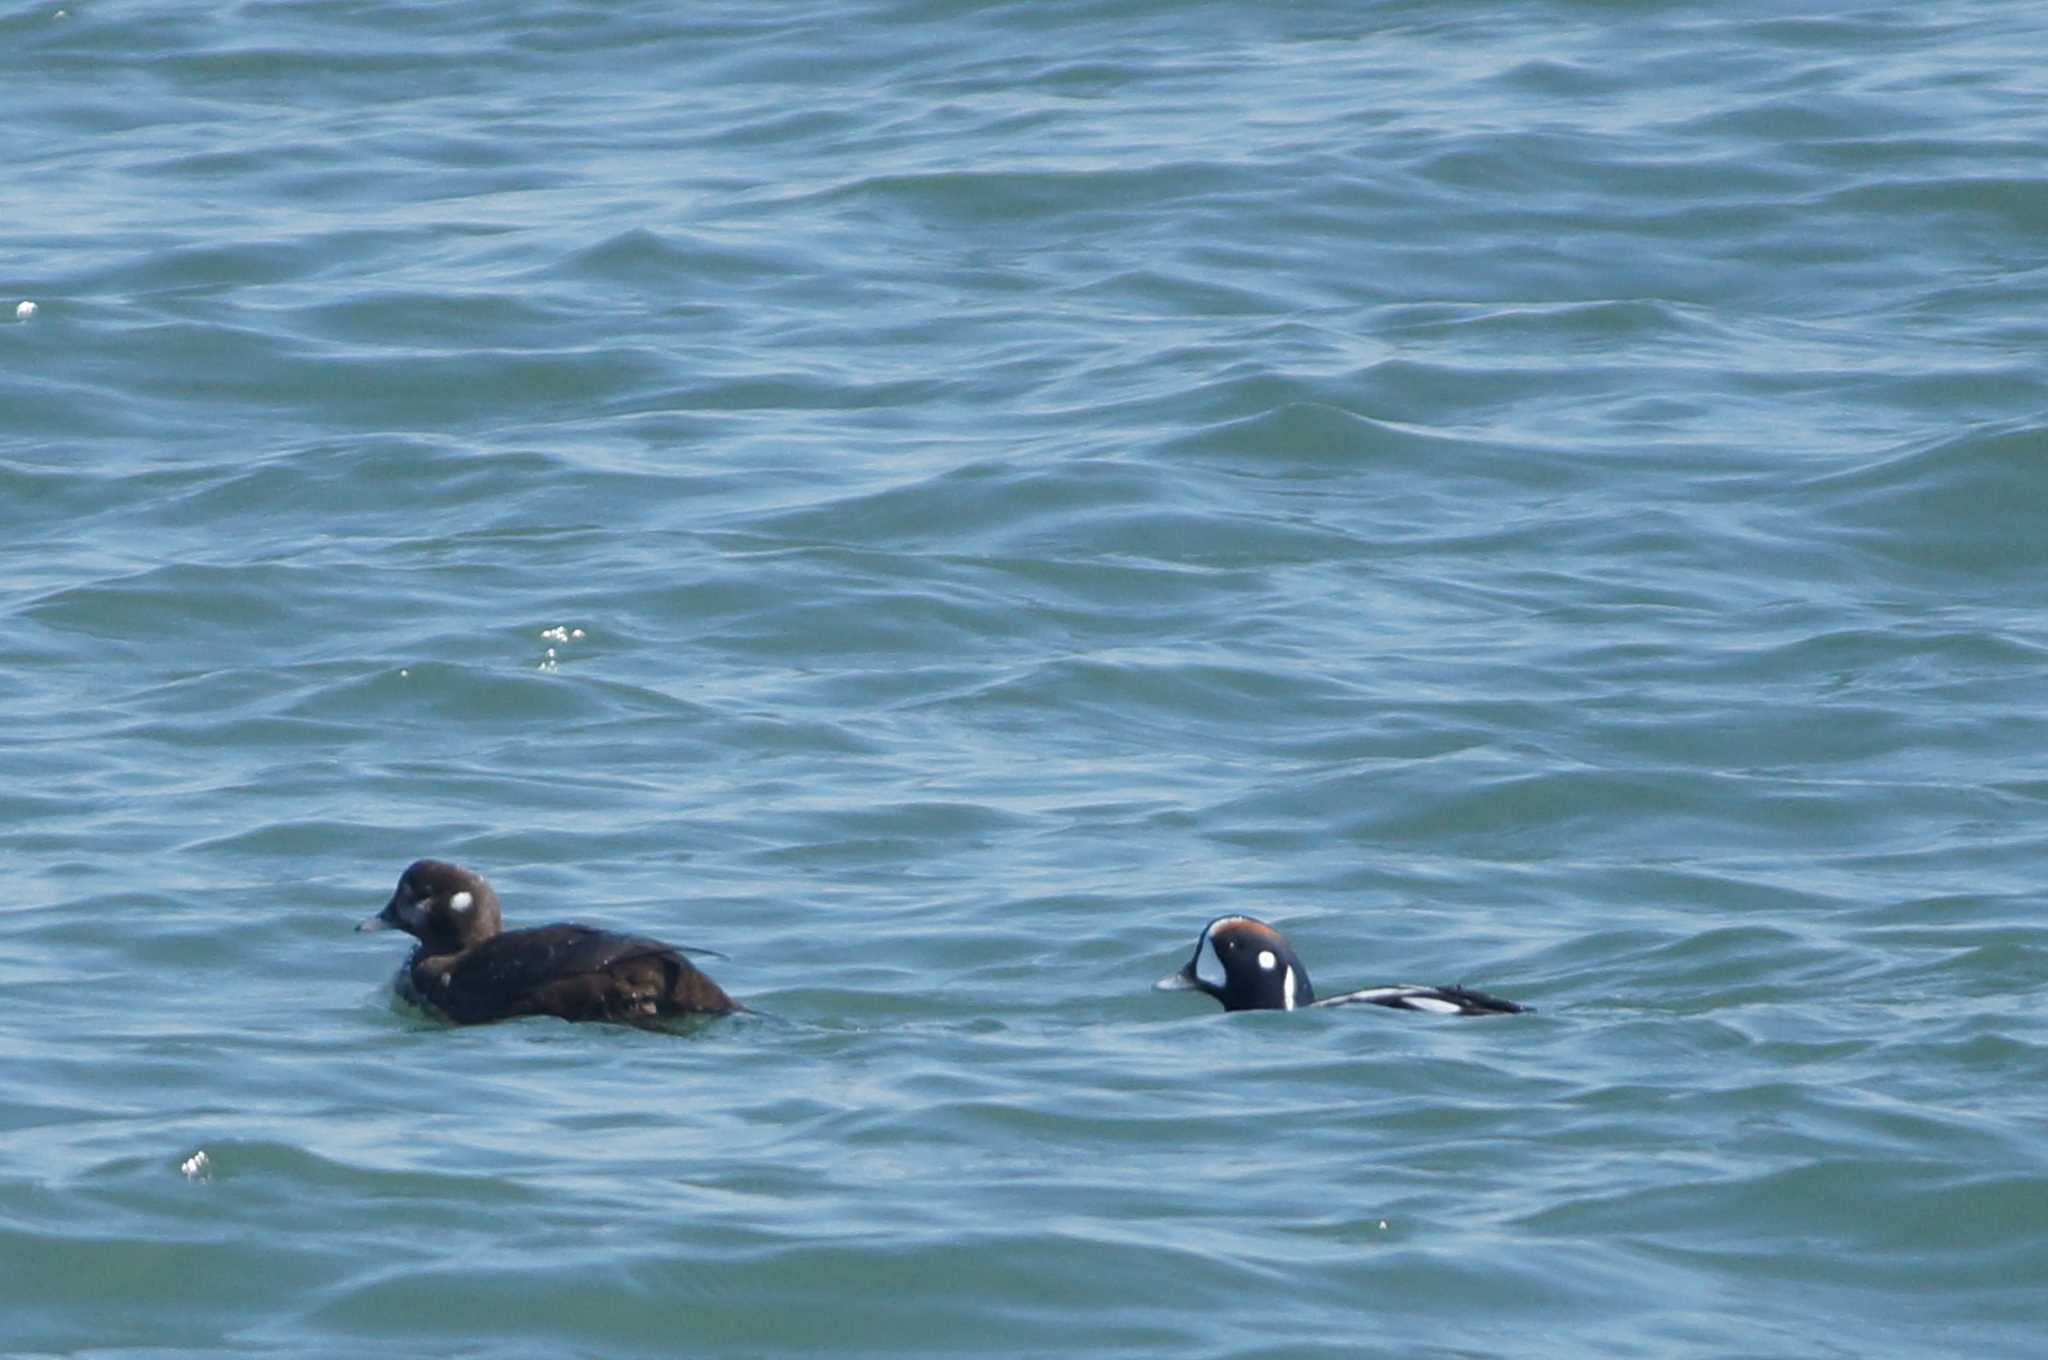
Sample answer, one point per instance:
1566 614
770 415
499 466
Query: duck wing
576 972
1435 1000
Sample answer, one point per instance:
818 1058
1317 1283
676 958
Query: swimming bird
1249 966
467 968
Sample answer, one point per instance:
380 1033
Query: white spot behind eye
462 901
1267 961
1287 988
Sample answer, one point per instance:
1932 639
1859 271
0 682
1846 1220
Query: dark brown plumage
468 968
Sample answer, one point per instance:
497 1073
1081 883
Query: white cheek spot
1267 961
446 978
462 901
1287 985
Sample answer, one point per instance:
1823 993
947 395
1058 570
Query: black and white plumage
470 970
1249 966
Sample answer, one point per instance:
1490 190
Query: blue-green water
1551 496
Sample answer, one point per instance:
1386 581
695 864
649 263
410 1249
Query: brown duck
469 969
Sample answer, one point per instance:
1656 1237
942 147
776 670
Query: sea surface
937 500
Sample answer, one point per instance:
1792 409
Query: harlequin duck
1249 966
469 970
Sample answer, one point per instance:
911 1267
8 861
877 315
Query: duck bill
1183 981
388 919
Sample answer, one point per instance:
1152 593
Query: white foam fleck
197 1167
24 310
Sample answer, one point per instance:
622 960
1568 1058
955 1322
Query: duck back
574 972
